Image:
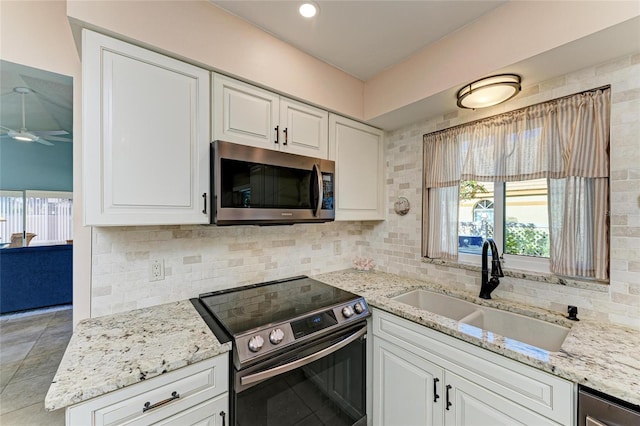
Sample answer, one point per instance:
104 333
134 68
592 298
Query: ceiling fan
43 137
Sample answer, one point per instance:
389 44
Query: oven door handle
272 372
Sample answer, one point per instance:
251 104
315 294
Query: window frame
512 261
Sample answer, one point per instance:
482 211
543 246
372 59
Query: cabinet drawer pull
223 415
286 135
205 203
449 404
148 406
435 390
277 129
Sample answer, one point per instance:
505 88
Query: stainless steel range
298 351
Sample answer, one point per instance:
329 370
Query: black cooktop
256 306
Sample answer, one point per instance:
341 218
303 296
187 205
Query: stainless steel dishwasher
598 409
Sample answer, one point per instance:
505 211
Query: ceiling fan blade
7 129
44 142
49 132
59 139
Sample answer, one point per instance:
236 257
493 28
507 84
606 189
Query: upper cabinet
358 151
145 136
246 114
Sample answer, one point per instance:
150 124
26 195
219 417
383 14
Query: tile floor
31 347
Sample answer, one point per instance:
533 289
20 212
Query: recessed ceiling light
308 10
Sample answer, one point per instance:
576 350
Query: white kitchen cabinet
404 386
305 129
472 405
473 386
358 151
213 412
252 116
195 394
145 136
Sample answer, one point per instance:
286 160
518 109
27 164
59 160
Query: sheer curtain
565 140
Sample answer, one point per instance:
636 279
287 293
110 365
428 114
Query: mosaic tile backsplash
198 259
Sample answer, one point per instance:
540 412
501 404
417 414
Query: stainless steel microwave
256 186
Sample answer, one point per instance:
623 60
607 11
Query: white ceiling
49 106
366 37
361 38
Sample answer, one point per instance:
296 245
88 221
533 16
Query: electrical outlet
156 270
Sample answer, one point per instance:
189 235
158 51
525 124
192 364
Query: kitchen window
520 227
535 180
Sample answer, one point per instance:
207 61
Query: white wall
204 34
46 42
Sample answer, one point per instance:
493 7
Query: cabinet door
358 151
303 129
244 114
407 390
214 412
472 405
145 136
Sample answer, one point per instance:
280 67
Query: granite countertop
601 356
111 352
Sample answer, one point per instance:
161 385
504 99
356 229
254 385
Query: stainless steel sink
474 319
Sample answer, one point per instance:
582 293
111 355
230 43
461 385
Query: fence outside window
47 214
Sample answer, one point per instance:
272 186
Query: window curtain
564 140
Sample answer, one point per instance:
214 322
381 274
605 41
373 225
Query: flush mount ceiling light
489 91
308 10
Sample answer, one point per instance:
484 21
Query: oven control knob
347 311
276 336
358 308
255 343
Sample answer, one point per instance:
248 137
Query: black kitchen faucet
488 285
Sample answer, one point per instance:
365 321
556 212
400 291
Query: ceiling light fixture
308 10
489 91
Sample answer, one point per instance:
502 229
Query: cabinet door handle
286 135
277 129
449 404
205 203
148 406
223 415
435 390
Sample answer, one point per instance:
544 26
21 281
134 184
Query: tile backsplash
198 259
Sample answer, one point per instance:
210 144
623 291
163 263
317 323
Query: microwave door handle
272 372
316 169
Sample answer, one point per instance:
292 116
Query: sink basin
475 320
437 303
518 327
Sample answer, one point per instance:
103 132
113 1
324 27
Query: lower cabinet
405 386
193 395
423 377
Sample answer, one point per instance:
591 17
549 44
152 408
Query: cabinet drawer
213 412
192 385
541 392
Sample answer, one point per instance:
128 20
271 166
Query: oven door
321 383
